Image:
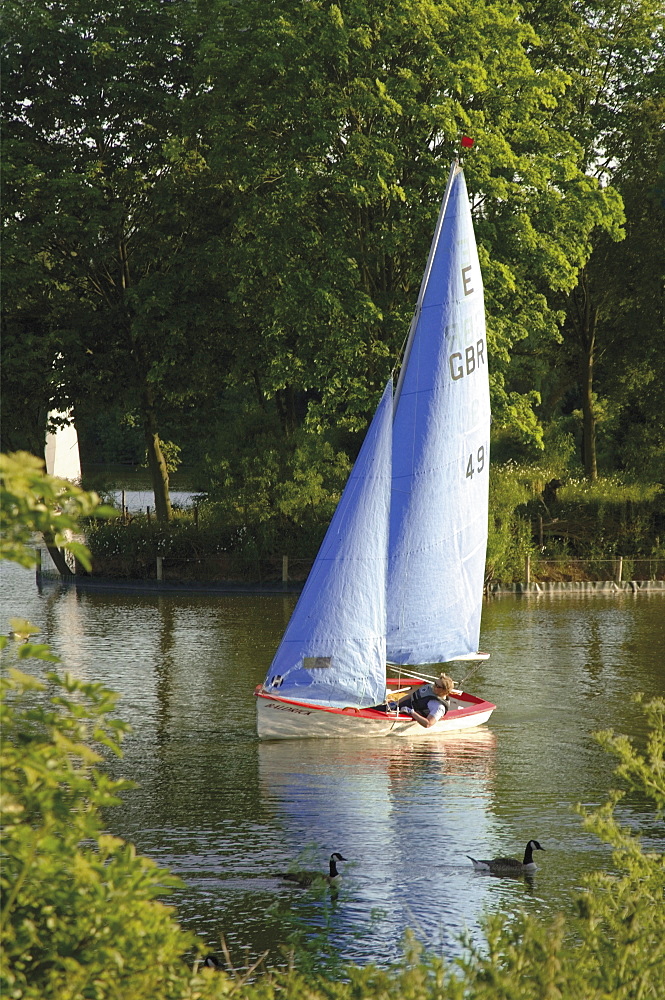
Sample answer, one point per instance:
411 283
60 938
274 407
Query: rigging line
455 169
428 677
472 671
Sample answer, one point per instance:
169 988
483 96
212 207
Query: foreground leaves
31 502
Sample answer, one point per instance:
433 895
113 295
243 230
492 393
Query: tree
110 294
336 125
80 914
612 51
630 277
32 502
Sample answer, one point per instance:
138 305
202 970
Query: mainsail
399 576
334 649
438 520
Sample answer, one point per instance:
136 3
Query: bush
80 915
509 535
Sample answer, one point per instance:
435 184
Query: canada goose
510 864
21 630
309 878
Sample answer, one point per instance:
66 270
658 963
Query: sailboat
63 460
397 586
61 448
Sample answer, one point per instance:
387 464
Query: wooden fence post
619 569
160 561
285 569
527 570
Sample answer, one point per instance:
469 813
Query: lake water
227 813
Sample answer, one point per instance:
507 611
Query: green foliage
336 126
638 771
108 289
509 535
198 204
268 478
616 947
270 501
263 517
80 914
607 517
610 350
129 548
610 489
585 520
31 501
211 545
171 452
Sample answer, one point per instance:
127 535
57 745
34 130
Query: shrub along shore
542 531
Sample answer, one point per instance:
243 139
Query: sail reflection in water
398 811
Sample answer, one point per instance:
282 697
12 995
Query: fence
273 571
566 570
282 571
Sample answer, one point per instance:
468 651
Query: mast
438 509
455 168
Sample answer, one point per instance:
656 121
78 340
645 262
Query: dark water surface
227 813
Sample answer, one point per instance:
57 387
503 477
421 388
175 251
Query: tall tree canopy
211 201
614 54
337 124
104 283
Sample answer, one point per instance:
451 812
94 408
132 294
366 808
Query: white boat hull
287 719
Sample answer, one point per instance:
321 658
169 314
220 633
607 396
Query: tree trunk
588 417
586 315
156 461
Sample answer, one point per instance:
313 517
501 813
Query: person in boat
427 703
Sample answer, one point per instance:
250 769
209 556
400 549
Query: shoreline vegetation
84 914
545 534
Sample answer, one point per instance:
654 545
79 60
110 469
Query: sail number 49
476 462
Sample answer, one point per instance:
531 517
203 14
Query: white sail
334 648
439 502
399 577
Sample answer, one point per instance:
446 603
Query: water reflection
528 878
398 810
